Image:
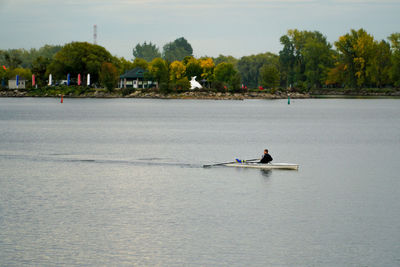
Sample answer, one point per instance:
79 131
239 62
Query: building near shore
135 78
12 84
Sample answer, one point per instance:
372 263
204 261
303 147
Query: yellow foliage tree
177 70
207 65
356 51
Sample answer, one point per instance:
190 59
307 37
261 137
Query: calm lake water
97 182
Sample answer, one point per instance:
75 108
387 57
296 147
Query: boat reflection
266 173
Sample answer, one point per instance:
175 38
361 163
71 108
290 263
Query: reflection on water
266 173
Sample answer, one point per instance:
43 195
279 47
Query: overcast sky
212 27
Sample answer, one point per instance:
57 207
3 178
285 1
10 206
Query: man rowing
266 157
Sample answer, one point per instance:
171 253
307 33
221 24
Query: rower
266 157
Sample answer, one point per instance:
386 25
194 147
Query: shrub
182 85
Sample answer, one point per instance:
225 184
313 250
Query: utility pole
95 34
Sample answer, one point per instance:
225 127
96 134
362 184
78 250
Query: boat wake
79 159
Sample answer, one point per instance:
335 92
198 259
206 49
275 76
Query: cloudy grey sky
213 27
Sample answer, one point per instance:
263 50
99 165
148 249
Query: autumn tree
177 70
356 52
177 75
335 76
207 65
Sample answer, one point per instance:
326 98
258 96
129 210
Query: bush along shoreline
88 92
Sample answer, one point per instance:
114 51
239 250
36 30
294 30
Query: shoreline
100 93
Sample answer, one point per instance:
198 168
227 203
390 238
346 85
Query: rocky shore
101 93
143 94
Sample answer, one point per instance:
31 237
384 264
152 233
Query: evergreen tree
146 51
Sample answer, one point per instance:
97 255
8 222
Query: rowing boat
269 166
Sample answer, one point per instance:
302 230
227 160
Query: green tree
249 67
21 72
141 63
79 58
226 59
122 64
395 69
108 76
182 84
270 76
287 60
226 73
234 82
379 69
193 68
12 58
319 59
146 51
46 51
3 76
177 50
39 68
24 58
159 71
306 58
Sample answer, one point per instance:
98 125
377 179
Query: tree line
306 61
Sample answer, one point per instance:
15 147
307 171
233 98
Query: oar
223 163
252 160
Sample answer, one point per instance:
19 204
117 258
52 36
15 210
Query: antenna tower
95 34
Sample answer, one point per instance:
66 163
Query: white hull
269 166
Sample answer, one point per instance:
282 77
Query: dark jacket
266 158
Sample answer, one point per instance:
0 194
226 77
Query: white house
12 84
